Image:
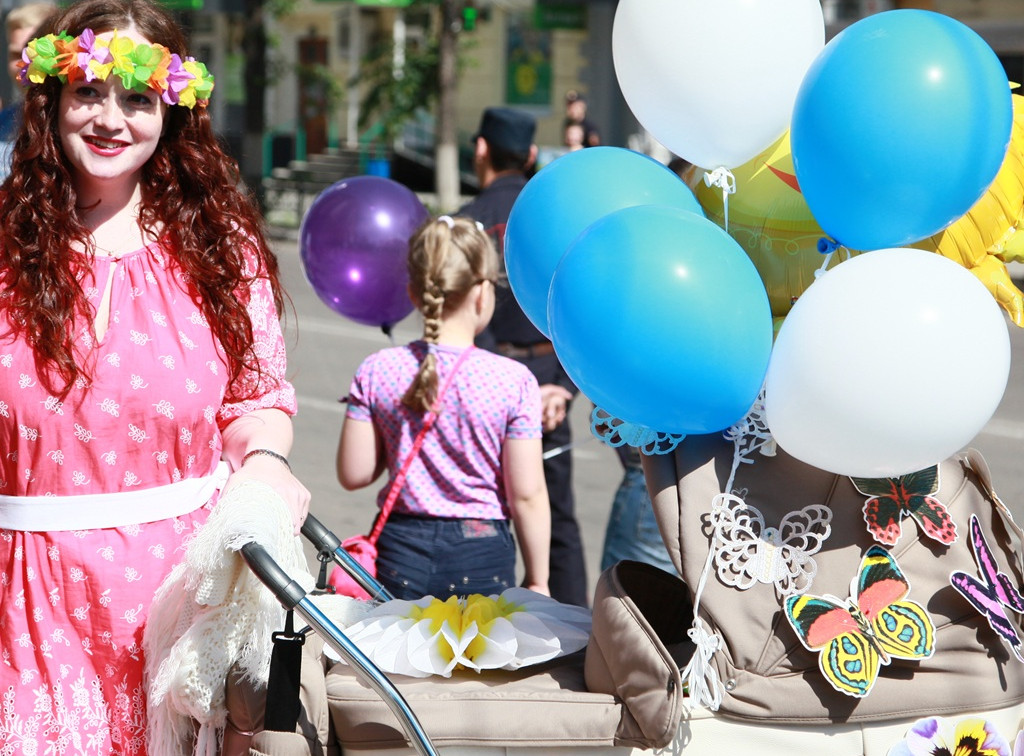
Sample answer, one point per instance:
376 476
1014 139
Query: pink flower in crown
88 51
26 61
177 79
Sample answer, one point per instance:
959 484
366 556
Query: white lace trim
212 611
616 432
749 435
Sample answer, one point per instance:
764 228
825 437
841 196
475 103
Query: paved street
325 349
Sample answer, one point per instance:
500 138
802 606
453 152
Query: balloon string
722 177
828 247
705 686
386 329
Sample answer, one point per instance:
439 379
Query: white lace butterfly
748 552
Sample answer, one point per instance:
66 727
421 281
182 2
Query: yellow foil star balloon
986 237
770 220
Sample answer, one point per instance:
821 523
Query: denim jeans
442 557
632 531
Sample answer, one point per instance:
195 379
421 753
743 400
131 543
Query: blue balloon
899 127
565 197
662 320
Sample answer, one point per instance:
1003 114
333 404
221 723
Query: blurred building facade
522 53
528 53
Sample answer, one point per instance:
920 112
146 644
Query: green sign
182 4
527 62
556 15
386 3
375 3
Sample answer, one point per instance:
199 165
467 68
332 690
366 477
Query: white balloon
887 364
715 80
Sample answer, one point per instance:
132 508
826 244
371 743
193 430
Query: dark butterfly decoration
892 499
995 594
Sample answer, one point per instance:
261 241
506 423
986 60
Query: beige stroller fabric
623 691
765 674
544 706
637 646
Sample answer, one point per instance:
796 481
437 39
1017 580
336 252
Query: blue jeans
632 531
442 557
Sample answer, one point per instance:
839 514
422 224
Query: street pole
446 156
254 45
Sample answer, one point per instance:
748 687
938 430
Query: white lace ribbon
749 434
700 676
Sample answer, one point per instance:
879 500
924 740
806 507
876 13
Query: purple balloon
354 242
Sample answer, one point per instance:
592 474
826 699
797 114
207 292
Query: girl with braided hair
480 463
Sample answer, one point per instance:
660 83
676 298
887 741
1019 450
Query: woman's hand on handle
256 446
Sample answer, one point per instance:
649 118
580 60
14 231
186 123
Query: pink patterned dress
73 602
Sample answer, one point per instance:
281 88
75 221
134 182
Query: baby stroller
532 710
625 693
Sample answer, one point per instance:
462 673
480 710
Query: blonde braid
447 258
423 389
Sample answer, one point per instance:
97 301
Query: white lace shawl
212 611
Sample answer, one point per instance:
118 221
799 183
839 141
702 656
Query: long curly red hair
192 195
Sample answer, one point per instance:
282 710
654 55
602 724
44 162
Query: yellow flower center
461 614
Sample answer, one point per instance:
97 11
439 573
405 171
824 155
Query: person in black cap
504 154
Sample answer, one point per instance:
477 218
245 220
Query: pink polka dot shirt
457 472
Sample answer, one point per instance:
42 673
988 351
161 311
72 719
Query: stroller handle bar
319 535
291 596
285 590
327 543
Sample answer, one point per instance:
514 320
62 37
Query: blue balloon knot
827 246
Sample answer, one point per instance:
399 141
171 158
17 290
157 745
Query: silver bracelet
267 452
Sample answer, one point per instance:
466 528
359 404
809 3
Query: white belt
110 510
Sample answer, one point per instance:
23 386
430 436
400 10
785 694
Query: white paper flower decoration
433 637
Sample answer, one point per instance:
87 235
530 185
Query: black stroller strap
283 705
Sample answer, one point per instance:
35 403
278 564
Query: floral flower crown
139 66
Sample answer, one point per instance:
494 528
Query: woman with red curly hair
142 364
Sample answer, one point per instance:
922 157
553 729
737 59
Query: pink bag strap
428 421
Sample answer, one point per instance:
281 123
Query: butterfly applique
749 551
857 637
995 594
892 499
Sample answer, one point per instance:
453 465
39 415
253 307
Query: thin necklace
108 254
116 256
